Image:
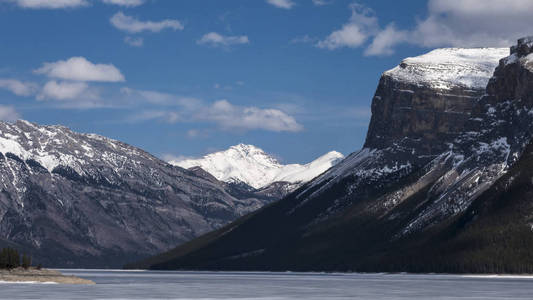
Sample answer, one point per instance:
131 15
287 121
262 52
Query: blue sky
187 77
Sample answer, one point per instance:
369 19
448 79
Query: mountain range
441 185
254 167
83 200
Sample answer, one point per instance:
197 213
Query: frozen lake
276 286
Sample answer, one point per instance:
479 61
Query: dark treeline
11 259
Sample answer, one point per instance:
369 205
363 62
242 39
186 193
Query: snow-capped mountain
253 166
443 183
450 68
76 200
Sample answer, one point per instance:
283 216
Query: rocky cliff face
76 200
425 101
412 199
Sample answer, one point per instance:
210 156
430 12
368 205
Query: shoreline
470 275
42 276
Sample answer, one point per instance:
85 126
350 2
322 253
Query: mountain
252 166
83 200
441 185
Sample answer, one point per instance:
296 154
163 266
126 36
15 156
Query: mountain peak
447 68
251 165
251 151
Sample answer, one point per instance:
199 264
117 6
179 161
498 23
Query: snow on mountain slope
251 165
450 67
99 202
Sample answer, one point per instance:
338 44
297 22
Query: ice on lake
274 286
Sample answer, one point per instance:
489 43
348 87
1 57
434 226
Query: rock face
427 99
426 194
82 200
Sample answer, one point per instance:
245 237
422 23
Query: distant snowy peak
253 166
450 67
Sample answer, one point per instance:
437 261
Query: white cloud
133 25
362 25
461 23
17 87
385 41
80 69
8 113
285 4
63 90
470 23
232 117
225 115
134 41
50 4
449 23
127 3
217 40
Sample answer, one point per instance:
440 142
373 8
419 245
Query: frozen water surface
274 286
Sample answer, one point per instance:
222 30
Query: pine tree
3 259
26 261
9 258
13 259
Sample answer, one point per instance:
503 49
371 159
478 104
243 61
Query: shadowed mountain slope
441 185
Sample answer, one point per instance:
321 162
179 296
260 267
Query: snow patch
450 67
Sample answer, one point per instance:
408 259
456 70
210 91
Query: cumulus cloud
127 3
285 4
455 23
18 87
385 40
362 24
217 40
62 90
461 23
232 117
133 25
134 41
50 4
467 23
8 113
80 69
